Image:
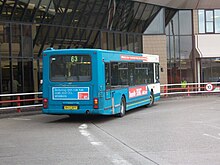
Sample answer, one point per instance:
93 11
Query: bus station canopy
185 4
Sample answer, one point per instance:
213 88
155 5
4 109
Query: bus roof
125 54
89 49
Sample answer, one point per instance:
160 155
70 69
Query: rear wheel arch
122 106
151 97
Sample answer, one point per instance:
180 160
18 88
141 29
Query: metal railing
35 99
18 100
190 88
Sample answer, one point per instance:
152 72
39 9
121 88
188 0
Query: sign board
70 93
209 87
138 91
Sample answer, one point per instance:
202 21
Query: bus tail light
95 103
45 103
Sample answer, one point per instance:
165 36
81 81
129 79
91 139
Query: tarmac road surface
180 131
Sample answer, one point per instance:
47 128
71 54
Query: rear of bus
70 82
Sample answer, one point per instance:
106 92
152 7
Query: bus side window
131 74
114 74
123 73
149 73
157 73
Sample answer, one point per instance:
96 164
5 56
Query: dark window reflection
70 68
33 26
179 47
210 69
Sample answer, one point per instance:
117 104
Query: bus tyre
151 99
122 107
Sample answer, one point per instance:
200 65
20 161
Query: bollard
18 104
188 90
165 90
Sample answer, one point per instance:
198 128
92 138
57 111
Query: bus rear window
75 68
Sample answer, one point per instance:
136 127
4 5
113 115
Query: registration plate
70 107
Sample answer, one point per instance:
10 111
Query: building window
209 21
201 21
210 69
217 21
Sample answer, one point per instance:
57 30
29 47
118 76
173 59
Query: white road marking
115 158
96 143
84 132
120 162
22 119
212 136
83 126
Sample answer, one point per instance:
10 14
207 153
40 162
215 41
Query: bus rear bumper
81 111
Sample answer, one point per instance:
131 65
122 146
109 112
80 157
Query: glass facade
210 69
28 27
16 58
153 28
179 47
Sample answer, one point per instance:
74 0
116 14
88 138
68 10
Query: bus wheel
122 107
151 99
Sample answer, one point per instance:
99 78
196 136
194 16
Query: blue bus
95 81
